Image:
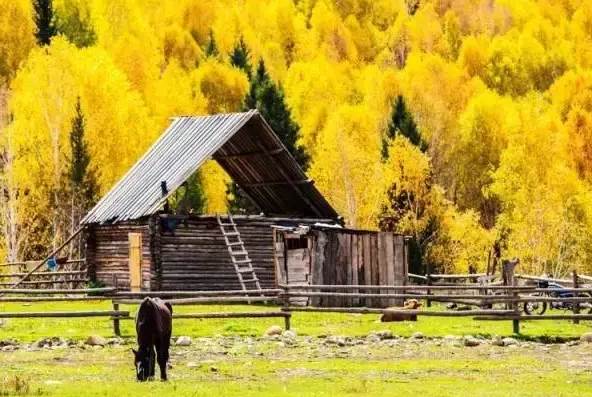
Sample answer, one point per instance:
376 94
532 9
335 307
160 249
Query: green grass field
312 324
228 358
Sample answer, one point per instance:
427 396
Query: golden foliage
500 91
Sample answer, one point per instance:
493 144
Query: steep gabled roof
242 143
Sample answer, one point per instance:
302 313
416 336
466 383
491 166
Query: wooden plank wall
350 257
195 256
107 253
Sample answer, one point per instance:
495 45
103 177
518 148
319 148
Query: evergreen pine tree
82 179
240 57
44 20
211 47
190 198
83 189
267 97
402 123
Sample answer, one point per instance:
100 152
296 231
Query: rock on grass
587 337
471 341
183 341
274 330
96 340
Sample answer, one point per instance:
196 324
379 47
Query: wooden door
135 261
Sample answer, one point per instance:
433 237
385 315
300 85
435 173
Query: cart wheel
535 307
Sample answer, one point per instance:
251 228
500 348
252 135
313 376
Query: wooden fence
480 298
69 274
118 298
510 296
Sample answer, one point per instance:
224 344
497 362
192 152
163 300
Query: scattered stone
573 343
8 348
471 341
452 340
335 340
47 343
183 341
115 341
587 337
509 341
289 338
8 342
417 335
373 338
383 334
451 306
273 330
96 340
497 341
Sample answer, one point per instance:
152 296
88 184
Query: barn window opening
297 243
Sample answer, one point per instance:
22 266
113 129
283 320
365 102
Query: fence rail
480 296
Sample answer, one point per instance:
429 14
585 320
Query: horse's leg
163 356
152 361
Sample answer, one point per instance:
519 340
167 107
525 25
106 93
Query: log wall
107 253
188 253
195 256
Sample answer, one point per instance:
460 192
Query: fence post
286 305
515 323
116 329
576 305
428 291
287 320
509 280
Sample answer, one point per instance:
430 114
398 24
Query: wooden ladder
238 254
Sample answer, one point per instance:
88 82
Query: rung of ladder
243 267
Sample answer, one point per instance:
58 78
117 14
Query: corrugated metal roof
243 144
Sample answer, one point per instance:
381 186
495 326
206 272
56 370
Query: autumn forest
465 124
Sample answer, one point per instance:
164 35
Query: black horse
153 327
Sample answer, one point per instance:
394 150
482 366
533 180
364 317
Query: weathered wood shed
323 255
132 240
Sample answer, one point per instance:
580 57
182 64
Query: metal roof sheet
243 144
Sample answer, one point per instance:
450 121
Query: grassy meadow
229 358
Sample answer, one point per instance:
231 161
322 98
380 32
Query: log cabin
133 239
